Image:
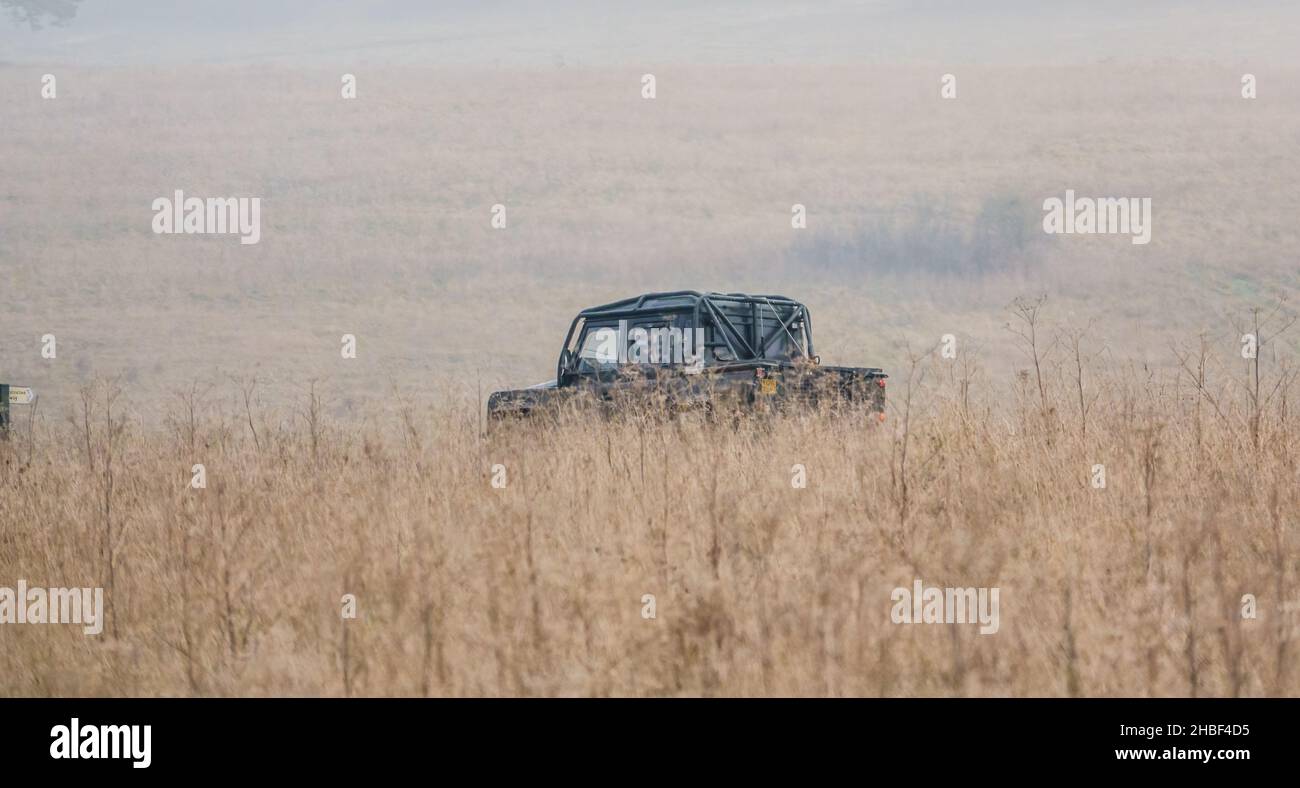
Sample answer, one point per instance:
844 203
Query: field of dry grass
536 588
371 476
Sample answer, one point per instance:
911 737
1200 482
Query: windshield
599 350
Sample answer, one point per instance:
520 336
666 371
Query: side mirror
817 360
566 359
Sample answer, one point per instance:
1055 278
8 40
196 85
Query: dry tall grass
761 588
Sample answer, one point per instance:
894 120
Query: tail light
880 382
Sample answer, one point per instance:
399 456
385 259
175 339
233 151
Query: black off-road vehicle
690 349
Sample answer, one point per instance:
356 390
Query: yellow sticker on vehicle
767 386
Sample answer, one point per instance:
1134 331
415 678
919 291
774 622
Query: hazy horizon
156 32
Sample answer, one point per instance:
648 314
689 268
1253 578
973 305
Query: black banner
136 738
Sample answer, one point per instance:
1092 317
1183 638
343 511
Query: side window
665 340
655 341
648 342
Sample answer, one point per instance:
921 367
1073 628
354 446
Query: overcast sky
583 32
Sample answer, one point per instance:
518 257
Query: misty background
924 214
593 33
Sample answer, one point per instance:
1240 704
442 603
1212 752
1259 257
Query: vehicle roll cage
745 346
